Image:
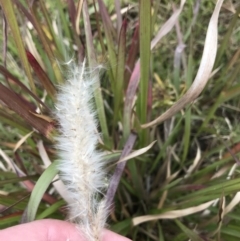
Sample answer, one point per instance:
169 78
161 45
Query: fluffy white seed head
81 167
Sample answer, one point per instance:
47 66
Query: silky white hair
81 166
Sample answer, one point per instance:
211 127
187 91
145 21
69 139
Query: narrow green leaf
192 235
122 227
50 210
12 21
40 188
10 220
187 126
145 53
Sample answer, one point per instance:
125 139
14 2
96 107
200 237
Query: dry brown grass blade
173 214
137 153
204 71
168 25
78 15
235 201
22 140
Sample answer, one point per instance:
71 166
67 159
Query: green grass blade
12 21
190 234
40 188
145 53
50 210
187 126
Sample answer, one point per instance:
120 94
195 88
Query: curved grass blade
167 26
192 235
40 188
172 214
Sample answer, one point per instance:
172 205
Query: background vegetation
187 185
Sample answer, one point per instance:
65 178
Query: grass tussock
167 104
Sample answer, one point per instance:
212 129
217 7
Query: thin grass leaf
57 183
12 21
50 210
114 182
137 153
119 83
188 114
22 140
234 202
39 190
11 203
145 53
110 37
132 56
97 90
190 234
129 99
42 76
119 16
16 180
173 214
5 40
167 26
72 12
78 14
10 218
